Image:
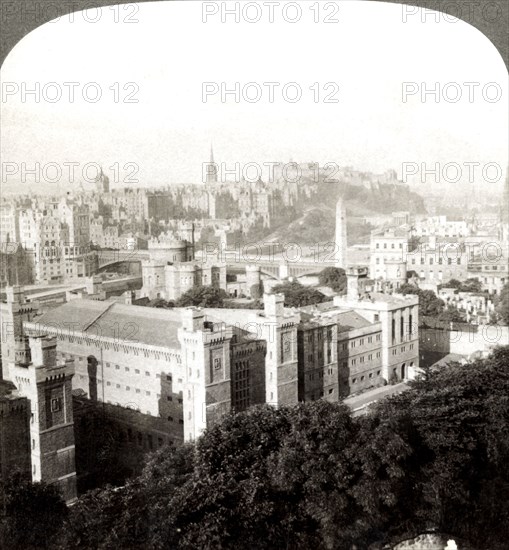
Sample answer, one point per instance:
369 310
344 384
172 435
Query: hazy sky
170 52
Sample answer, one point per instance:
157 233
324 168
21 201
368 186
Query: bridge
109 258
276 266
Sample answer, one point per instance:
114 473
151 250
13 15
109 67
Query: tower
48 387
102 182
205 349
340 242
211 169
13 312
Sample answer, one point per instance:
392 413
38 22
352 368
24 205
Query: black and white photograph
254 275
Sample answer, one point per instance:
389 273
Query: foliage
429 303
470 285
413 243
297 295
202 296
34 514
311 476
333 277
451 314
502 305
256 291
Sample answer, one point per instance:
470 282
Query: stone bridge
274 266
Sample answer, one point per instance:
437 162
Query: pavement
360 402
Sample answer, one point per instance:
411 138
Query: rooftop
125 323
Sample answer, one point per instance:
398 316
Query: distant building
211 169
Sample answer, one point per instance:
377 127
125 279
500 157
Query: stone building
173 366
14 431
171 270
14 310
47 386
398 316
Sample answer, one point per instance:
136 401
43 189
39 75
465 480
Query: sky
162 53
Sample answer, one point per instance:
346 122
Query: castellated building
38 416
164 375
171 270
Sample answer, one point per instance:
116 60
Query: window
127 369
55 405
170 419
147 373
117 367
168 377
362 378
169 398
137 371
354 380
330 391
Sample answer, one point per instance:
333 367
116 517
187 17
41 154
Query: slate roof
152 326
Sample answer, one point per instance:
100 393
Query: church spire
211 175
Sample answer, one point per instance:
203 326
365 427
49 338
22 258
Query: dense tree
311 476
470 285
297 295
451 314
202 296
333 277
429 303
502 304
34 514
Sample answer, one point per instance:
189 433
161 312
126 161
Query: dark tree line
311 476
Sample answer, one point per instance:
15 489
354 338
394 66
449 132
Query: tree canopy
429 303
502 304
34 514
333 277
202 296
297 295
312 476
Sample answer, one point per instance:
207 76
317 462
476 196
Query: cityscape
155 313
254 277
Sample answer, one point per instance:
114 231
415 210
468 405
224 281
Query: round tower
253 281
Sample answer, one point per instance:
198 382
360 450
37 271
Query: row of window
392 245
315 396
402 349
363 377
360 341
362 359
